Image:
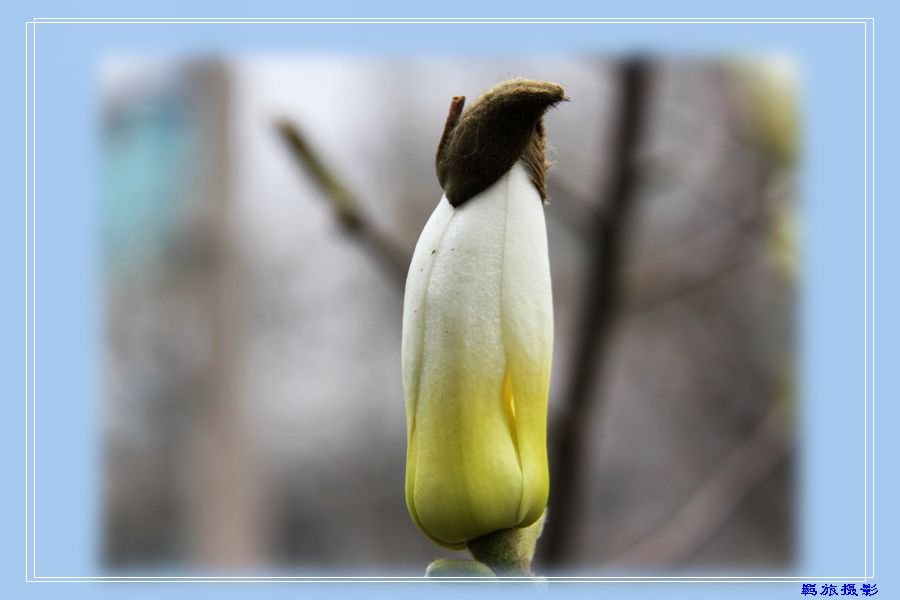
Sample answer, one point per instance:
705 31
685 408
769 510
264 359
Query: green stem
509 552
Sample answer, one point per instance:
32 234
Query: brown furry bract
505 124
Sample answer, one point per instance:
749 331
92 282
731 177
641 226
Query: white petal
478 283
414 302
528 337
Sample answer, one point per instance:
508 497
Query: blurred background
258 217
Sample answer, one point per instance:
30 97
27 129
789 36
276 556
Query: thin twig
739 473
346 206
599 308
670 293
650 282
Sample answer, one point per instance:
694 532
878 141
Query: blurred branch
599 307
733 191
736 475
346 206
711 211
659 295
650 280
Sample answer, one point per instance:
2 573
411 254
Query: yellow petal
476 395
528 338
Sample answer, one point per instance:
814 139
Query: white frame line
869 142
26 300
873 297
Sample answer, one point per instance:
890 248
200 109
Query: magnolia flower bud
478 324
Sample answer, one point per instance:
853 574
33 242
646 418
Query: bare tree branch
347 208
650 281
599 307
740 472
663 294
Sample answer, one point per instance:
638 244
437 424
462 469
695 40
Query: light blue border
839 261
